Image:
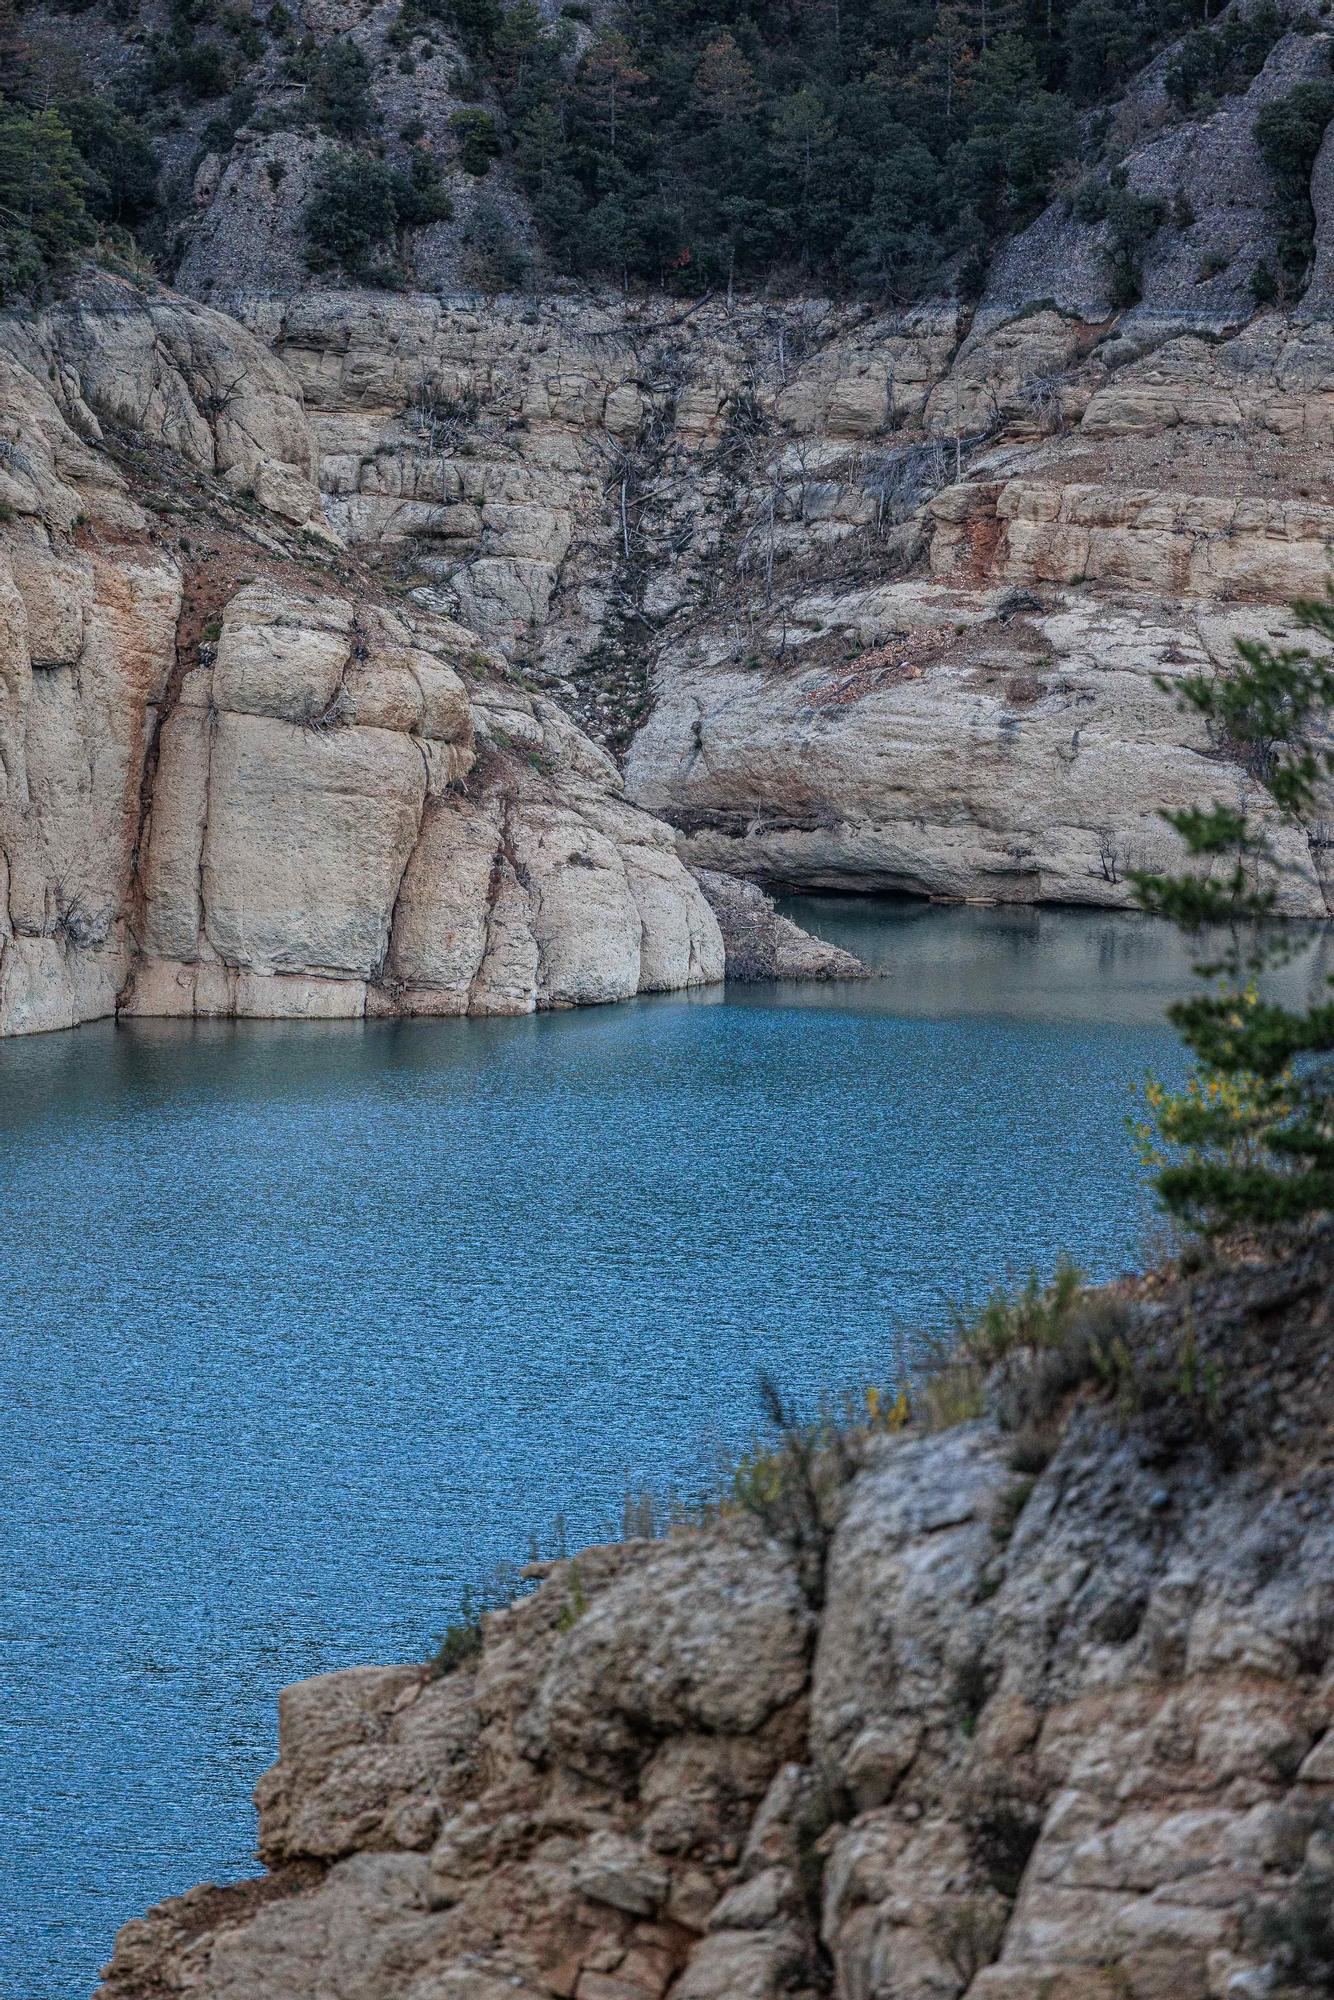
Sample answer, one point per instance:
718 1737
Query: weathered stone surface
762 945
968 749
895 1638
644 1661
371 1757
233 783
840 691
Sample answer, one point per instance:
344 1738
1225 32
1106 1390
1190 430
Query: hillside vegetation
873 146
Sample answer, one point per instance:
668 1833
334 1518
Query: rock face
1064 1736
232 781
760 944
870 600
876 601
295 612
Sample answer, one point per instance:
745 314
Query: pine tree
725 83
43 219
799 142
1249 1143
612 85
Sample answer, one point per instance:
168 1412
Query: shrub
496 261
461 1640
352 212
1299 1931
1003 1820
419 198
220 132
120 166
1215 61
478 140
1034 1316
793 1486
1131 222
1289 132
953 1390
43 217
338 92
188 65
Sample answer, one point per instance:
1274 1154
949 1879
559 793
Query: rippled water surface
305 1326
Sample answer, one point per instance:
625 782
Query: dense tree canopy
873 145
861 141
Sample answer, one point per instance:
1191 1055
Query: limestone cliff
1069 1735
236 776
306 608
871 600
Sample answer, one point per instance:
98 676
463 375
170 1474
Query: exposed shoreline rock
237 779
885 623
760 944
1069 1733
866 600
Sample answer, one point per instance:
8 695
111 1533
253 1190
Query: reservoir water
305 1327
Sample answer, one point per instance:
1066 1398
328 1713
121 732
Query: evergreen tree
339 92
43 217
1249 1143
612 86
352 212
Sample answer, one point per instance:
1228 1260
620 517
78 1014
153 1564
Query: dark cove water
306 1326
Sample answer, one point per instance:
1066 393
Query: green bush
188 65
120 166
338 92
1131 222
419 198
1214 62
220 132
1289 132
352 213
496 262
478 140
1299 1930
359 205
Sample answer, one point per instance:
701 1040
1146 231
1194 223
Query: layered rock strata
871 600
233 779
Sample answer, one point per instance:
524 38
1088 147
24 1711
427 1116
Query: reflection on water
305 1326
1021 962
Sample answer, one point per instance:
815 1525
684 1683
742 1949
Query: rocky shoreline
297 620
1005 1721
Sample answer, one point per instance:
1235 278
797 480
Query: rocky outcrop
760 944
874 600
235 781
860 598
1066 1735
870 600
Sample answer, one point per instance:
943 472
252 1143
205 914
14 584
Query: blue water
306 1326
